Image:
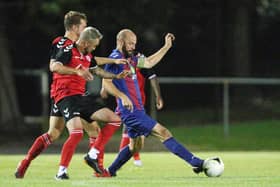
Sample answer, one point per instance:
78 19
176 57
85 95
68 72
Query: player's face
129 44
79 28
91 45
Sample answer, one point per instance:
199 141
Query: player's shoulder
61 42
115 54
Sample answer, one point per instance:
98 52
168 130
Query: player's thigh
56 126
74 123
92 128
161 132
105 115
56 122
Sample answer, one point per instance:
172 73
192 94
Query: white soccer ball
213 167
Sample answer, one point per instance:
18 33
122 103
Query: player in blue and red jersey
142 76
132 112
108 130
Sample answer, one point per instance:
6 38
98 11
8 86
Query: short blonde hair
90 33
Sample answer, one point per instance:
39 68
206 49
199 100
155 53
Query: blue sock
123 156
172 145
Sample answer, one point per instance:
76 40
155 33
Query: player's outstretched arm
107 75
104 60
157 56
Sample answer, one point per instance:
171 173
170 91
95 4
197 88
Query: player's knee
54 134
166 134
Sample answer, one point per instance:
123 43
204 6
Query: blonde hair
90 33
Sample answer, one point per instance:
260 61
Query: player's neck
71 35
119 49
80 48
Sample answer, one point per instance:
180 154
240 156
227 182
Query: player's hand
126 102
169 38
120 61
123 74
159 103
84 72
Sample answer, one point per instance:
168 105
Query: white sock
93 153
61 170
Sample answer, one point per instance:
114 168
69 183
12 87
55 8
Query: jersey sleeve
148 73
64 54
53 51
114 68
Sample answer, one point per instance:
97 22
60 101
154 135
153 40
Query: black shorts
78 105
54 110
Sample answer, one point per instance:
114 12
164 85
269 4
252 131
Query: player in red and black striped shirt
74 67
74 24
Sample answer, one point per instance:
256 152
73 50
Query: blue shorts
138 123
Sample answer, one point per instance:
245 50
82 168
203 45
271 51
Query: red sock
101 159
136 156
69 146
105 135
40 144
92 141
124 141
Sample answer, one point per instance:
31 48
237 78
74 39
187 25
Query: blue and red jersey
129 85
142 75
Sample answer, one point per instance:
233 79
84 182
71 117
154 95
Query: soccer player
142 76
74 23
133 115
73 66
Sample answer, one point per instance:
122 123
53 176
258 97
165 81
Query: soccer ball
213 167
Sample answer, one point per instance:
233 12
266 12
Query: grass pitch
163 169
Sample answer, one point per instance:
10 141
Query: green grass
242 169
257 135
246 136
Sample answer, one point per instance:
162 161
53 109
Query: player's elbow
54 66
